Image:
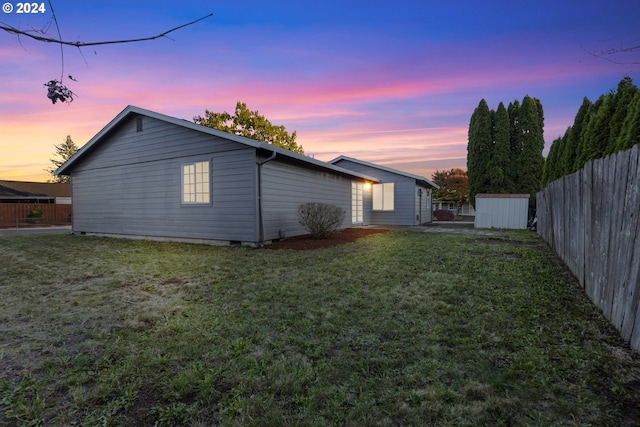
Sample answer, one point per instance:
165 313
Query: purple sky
388 82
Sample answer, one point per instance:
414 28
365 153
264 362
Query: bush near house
320 219
444 215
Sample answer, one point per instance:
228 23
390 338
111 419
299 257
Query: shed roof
282 154
418 178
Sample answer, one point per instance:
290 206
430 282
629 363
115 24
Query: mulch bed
301 243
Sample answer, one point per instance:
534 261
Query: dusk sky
393 83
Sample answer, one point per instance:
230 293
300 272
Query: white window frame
357 202
383 197
196 183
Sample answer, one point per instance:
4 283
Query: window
195 183
356 202
383 197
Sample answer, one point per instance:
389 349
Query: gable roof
418 178
30 189
280 152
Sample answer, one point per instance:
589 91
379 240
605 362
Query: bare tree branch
607 54
39 38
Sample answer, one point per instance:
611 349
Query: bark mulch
306 242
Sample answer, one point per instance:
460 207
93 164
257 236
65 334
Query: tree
250 124
573 149
504 154
64 152
610 124
479 150
500 181
630 132
454 186
530 137
56 90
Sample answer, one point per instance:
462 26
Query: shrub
320 219
443 215
35 215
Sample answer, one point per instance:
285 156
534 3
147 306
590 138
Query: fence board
619 241
591 219
632 297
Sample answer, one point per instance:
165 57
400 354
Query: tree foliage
504 152
454 186
479 150
250 124
63 152
610 124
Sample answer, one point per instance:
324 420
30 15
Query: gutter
260 214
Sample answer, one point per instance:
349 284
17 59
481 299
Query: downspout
420 204
260 216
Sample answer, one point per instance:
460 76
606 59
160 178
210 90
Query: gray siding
286 186
405 195
423 205
131 185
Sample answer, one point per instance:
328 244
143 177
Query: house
19 198
399 198
466 209
35 192
148 175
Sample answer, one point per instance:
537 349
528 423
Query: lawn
400 328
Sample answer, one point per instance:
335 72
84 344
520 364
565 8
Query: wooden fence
592 220
17 214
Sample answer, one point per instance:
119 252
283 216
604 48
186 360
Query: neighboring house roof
280 152
418 178
31 189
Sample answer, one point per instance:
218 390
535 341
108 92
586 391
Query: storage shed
502 211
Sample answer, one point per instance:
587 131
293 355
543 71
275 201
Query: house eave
418 178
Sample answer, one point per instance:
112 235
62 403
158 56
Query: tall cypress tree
479 150
630 132
622 101
610 124
574 144
531 141
514 140
500 180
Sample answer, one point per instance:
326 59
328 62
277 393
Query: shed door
356 202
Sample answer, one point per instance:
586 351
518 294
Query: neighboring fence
17 214
591 219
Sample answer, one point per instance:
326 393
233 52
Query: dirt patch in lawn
306 242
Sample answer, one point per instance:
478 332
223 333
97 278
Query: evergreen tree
64 152
531 142
553 162
630 132
574 143
500 181
592 127
514 129
479 150
621 101
610 124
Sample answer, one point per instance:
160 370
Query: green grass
401 328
